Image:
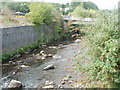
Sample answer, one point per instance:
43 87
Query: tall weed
104 40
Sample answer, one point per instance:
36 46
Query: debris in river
15 84
41 52
49 84
44 45
19 62
59 86
24 66
49 67
64 80
17 70
77 41
37 56
43 57
49 55
68 76
61 46
26 52
56 56
10 62
5 64
53 47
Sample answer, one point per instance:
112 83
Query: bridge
79 21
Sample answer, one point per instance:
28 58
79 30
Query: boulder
49 67
15 84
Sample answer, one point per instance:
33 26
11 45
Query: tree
86 5
17 6
81 12
90 5
43 12
74 4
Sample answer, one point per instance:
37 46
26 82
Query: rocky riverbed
52 66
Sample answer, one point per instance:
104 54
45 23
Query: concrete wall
16 37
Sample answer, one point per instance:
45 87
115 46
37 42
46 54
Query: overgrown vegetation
104 44
41 13
81 12
44 13
7 55
86 5
16 6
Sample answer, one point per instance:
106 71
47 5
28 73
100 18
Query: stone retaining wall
16 37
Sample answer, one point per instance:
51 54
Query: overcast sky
102 4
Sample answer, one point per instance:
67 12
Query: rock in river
51 66
49 55
49 84
77 41
15 84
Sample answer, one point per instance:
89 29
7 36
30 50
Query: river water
33 75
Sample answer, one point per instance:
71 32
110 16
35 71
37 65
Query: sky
102 4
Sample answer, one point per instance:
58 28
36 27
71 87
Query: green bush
105 50
81 12
44 13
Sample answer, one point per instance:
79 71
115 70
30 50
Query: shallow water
33 75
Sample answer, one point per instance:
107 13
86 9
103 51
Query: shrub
81 12
105 50
44 13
